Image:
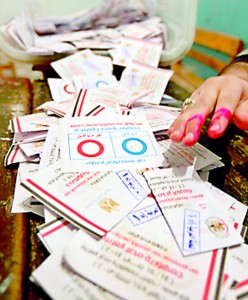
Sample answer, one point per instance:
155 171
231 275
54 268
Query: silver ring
187 102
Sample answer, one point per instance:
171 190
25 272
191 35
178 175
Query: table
20 249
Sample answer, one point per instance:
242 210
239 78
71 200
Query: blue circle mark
101 82
125 148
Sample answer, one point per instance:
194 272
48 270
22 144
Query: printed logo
217 226
108 204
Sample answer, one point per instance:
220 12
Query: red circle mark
65 89
80 150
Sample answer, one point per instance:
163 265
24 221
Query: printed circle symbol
83 153
66 89
101 83
134 140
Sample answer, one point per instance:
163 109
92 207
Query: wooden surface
207 45
218 41
20 249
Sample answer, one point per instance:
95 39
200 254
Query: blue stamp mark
132 185
144 214
191 231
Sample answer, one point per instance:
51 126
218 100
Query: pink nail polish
219 121
192 137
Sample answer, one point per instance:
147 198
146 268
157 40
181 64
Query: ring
187 102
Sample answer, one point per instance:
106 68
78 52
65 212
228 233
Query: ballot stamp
191 232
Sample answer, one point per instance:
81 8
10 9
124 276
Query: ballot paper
23 201
141 30
178 155
197 222
61 90
51 149
235 273
90 81
127 97
111 99
42 41
60 109
142 51
135 260
96 44
56 234
238 212
27 137
62 47
82 63
93 102
16 155
60 283
86 28
158 117
141 76
32 123
240 291
32 148
96 201
112 143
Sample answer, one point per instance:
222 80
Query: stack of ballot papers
113 27
128 214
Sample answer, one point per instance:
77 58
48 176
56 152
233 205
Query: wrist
238 69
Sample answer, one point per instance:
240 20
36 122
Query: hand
225 97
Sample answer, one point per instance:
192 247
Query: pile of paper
128 214
109 27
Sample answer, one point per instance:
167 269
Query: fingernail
169 131
215 127
189 139
176 133
219 122
176 136
223 112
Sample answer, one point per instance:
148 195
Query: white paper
113 143
32 148
61 90
27 137
63 284
159 118
137 49
56 234
23 201
61 109
81 64
51 149
32 122
15 155
140 260
141 76
93 102
94 201
93 81
195 219
178 155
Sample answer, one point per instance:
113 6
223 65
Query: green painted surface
227 16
